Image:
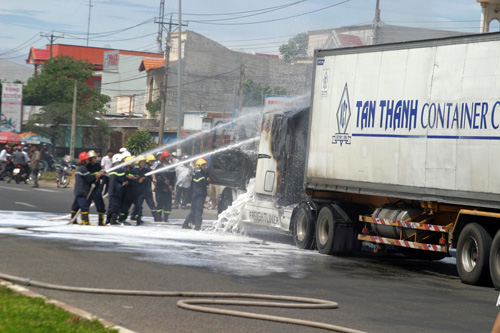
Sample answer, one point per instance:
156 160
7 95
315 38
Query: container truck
400 148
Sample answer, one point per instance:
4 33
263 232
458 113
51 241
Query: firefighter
83 183
147 190
130 192
96 195
164 186
116 181
199 186
142 183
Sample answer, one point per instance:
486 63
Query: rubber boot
101 219
85 218
114 219
165 217
155 215
138 220
108 218
73 214
158 216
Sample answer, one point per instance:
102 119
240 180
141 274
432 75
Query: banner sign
12 101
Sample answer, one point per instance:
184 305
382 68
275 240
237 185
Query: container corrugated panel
416 120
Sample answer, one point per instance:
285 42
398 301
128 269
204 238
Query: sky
260 25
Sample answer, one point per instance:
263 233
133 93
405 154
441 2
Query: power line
244 12
278 19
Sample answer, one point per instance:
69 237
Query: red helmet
7 147
82 156
164 154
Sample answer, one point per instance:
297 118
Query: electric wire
277 19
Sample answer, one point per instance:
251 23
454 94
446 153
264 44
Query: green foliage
153 107
296 47
24 314
53 88
254 93
139 142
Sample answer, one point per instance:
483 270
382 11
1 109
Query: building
369 34
212 76
115 73
11 71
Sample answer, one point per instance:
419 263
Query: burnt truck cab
279 178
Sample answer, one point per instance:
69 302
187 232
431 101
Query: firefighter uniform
116 181
83 183
199 186
164 184
96 195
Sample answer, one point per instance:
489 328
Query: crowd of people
29 158
124 179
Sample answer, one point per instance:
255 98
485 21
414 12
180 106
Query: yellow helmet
140 158
150 158
128 158
200 162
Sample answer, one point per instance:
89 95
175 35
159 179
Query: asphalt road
376 293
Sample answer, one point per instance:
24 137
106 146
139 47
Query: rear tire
303 227
325 227
65 180
495 261
473 253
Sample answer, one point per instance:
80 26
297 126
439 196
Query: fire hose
196 304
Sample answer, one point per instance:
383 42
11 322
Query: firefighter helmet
83 156
200 162
150 158
91 153
164 154
116 158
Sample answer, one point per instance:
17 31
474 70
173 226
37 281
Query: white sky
22 21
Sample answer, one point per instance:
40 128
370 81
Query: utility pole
159 38
73 125
163 91
376 24
179 76
88 23
52 38
240 92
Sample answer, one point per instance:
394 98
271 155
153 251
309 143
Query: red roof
148 64
268 55
349 40
95 55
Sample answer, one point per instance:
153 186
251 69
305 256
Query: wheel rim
323 230
469 254
301 227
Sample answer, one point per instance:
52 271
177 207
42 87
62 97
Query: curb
17 289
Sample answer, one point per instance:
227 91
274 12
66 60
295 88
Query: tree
53 89
296 47
253 93
139 142
153 107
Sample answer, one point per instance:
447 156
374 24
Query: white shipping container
417 120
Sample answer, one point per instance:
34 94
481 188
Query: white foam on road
169 244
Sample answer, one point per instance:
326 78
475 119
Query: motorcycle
64 171
19 174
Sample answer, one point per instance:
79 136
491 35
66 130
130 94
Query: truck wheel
473 252
303 227
495 261
325 227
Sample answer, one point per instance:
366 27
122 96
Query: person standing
96 195
199 186
106 164
117 179
183 175
164 185
83 183
35 165
3 159
130 193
